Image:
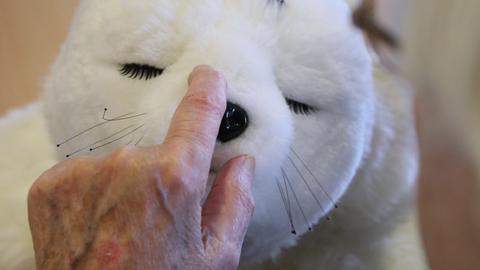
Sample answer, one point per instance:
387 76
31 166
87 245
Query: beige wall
30 35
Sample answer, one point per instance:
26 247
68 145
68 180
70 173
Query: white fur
360 144
26 153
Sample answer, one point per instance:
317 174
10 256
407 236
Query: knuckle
121 154
122 158
172 177
171 171
49 180
63 171
37 192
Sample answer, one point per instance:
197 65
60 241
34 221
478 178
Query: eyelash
139 71
300 108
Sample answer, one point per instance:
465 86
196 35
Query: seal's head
299 91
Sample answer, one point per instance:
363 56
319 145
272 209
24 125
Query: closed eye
299 107
139 71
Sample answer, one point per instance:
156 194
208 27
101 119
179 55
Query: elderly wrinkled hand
141 208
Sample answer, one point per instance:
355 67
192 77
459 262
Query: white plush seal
336 154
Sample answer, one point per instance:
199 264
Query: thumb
229 206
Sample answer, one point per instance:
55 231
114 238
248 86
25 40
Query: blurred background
31 33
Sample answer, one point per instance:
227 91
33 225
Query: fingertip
205 72
238 171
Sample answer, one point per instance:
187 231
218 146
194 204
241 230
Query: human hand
140 208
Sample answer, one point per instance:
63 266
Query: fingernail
201 67
197 68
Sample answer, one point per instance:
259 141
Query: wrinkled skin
141 208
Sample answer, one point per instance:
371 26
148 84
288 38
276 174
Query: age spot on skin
109 254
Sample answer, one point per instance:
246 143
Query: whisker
287 180
99 141
122 118
138 142
287 194
129 142
309 188
287 207
314 177
92 149
90 128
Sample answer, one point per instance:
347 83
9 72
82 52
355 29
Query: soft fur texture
359 144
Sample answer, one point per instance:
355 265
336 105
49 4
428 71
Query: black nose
234 123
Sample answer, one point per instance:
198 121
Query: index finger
195 124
